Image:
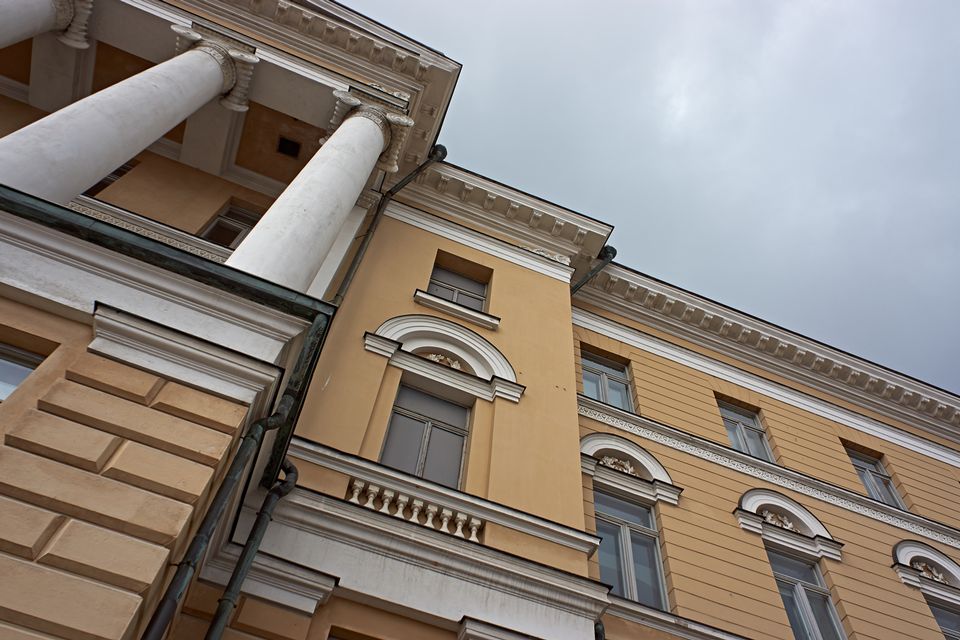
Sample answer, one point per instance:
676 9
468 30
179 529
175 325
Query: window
606 381
745 431
426 437
231 226
875 479
15 366
948 619
807 602
629 552
457 288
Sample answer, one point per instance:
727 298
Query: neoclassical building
270 367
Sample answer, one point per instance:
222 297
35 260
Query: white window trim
905 553
437 303
819 544
659 487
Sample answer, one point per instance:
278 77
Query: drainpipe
437 153
606 256
287 407
229 600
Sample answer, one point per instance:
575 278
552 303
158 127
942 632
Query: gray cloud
796 160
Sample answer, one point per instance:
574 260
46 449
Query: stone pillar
63 154
22 19
288 245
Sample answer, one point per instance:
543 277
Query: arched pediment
923 561
600 445
784 523
759 501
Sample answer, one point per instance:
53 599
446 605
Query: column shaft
288 245
63 154
22 19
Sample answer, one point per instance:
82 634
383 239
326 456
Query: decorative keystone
73 17
394 126
235 62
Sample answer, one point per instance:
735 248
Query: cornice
667 622
768 472
496 209
713 326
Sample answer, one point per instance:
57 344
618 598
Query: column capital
394 126
72 19
236 61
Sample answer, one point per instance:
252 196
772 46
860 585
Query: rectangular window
629 553
948 619
745 431
230 226
457 288
875 479
15 365
426 437
606 381
806 600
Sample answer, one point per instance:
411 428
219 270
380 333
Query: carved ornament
777 520
72 19
394 126
446 361
929 571
619 464
236 64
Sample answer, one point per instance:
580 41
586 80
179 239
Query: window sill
479 318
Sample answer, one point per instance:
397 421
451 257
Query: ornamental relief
619 465
929 571
836 498
778 520
446 361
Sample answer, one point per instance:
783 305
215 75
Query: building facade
239 278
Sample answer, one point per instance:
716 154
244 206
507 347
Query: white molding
418 331
375 556
475 240
908 551
931 589
471 629
478 318
768 472
812 547
667 622
174 355
714 326
595 442
755 499
42 266
630 487
701 363
489 512
13 89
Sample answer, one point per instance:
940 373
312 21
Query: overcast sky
799 161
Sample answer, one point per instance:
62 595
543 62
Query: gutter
606 256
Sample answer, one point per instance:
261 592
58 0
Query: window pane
792 606
432 407
467 300
402 448
591 385
736 414
733 432
824 616
646 570
948 619
459 281
756 446
867 483
609 556
618 395
223 232
610 505
11 374
600 363
793 568
440 290
888 492
444 453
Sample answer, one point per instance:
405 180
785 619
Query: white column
63 154
288 245
22 19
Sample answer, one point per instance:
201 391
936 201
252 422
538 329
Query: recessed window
605 380
875 479
231 226
15 365
745 431
114 175
806 600
426 437
457 288
629 553
288 147
948 618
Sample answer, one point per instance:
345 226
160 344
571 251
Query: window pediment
786 524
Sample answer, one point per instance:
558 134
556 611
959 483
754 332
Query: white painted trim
474 240
471 629
478 318
812 547
489 512
664 621
425 332
597 442
904 554
13 89
755 499
767 471
630 487
701 363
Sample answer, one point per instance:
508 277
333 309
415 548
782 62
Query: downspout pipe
437 154
286 408
606 256
229 600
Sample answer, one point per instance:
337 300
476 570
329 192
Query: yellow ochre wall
536 464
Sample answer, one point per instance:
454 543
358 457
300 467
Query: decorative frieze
446 361
618 464
929 571
777 520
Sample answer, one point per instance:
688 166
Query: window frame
457 290
740 426
585 360
800 588
949 634
21 357
624 531
873 466
429 424
236 217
